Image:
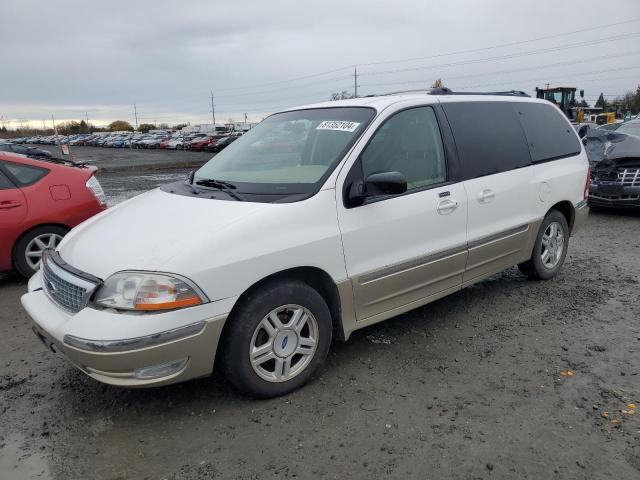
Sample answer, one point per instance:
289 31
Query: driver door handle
446 206
9 204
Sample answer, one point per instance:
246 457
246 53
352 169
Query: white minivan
321 220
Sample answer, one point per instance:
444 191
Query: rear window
25 174
488 137
549 134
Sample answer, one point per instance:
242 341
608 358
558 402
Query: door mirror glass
385 183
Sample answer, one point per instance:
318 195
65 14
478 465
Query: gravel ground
507 379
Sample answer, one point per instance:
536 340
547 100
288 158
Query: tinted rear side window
549 134
5 183
488 137
25 174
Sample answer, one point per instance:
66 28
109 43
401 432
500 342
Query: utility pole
245 118
55 131
135 112
213 113
86 116
44 127
355 81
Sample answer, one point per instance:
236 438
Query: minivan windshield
288 153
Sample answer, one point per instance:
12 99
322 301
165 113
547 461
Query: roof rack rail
448 91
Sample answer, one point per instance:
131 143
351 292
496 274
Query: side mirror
376 184
385 183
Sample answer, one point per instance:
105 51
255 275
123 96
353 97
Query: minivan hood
146 232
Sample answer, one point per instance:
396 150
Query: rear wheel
277 339
550 248
28 250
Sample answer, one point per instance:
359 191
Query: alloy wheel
552 245
33 252
284 343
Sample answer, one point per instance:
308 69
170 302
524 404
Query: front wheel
28 250
277 339
550 248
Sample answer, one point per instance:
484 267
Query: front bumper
186 350
623 197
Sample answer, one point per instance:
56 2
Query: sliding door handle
486 196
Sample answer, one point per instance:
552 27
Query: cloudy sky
68 58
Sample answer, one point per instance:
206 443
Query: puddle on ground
17 463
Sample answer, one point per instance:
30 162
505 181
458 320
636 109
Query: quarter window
409 142
488 137
549 134
25 174
5 183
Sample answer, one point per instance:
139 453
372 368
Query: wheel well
566 209
317 279
30 229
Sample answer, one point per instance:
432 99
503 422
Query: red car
40 201
199 143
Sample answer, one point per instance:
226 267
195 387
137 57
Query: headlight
148 292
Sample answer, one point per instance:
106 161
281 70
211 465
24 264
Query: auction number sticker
340 125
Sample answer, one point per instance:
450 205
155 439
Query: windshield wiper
226 187
189 181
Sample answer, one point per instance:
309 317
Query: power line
503 57
459 63
502 45
438 55
321 82
304 77
516 70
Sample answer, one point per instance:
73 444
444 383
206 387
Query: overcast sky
70 57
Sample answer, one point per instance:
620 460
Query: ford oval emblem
285 340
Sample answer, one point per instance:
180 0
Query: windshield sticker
340 125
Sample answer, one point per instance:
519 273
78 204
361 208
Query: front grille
63 287
629 177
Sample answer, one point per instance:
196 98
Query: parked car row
198 141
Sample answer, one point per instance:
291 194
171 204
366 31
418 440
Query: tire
549 249
27 247
291 303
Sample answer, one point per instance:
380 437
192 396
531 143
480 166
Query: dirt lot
508 379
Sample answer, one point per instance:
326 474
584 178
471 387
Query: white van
319 221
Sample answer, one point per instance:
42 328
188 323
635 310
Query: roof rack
448 91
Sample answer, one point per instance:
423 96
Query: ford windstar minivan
322 220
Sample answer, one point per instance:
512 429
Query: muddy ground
508 379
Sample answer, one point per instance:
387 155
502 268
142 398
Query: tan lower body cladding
395 289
